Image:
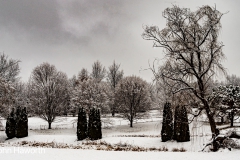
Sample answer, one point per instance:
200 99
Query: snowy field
116 132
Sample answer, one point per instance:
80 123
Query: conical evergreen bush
181 127
82 124
25 122
167 123
99 124
19 123
92 125
11 125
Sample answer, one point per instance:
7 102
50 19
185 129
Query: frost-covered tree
167 123
114 75
192 50
48 90
133 98
181 126
7 97
98 71
89 93
9 70
82 128
233 80
229 98
82 75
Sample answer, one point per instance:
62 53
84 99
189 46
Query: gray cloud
60 21
72 34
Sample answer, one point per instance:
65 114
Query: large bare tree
48 92
192 50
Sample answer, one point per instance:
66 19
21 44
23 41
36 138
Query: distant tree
233 80
89 93
82 76
167 123
133 97
82 128
11 125
181 127
48 92
9 71
98 71
114 75
21 95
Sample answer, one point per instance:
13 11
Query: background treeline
50 93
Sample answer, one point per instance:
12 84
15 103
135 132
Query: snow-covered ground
145 133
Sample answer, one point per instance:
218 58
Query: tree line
50 93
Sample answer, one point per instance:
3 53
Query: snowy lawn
145 133
74 154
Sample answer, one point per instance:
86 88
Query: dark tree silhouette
82 124
10 125
181 127
167 123
99 124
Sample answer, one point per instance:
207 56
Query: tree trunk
231 118
131 121
113 113
211 120
222 120
49 125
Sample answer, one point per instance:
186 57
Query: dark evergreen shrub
82 124
167 123
99 124
93 133
19 123
10 125
181 127
25 122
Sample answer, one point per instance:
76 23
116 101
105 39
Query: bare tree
193 52
133 97
98 71
48 89
114 75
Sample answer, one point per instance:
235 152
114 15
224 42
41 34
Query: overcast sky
72 34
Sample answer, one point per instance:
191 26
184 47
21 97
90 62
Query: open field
116 132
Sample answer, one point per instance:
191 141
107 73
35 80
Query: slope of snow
63 154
